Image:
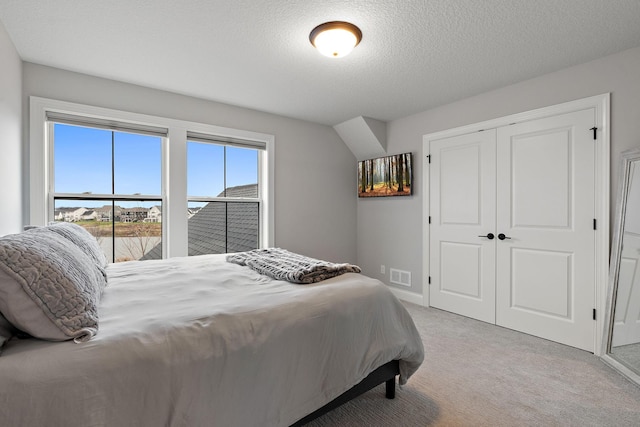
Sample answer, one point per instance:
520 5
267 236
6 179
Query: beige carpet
476 374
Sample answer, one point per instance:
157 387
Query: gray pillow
49 288
79 236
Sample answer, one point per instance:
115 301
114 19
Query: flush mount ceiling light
336 38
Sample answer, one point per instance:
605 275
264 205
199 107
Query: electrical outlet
383 270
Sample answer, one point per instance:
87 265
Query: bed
199 341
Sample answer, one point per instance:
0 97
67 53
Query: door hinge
429 158
595 133
429 279
429 219
594 224
594 314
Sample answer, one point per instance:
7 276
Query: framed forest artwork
385 176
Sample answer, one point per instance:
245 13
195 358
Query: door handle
489 236
502 236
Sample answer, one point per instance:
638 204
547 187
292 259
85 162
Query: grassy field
122 229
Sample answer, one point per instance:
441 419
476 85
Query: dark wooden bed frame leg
384 374
391 388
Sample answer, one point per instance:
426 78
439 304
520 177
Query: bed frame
384 374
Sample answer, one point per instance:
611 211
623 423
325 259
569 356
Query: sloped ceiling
365 137
414 55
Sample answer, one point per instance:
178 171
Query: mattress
198 341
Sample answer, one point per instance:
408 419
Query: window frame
227 143
108 198
174 167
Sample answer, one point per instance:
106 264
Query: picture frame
386 176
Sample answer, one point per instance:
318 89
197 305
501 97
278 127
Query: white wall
315 203
390 230
11 158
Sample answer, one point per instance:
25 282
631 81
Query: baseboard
411 297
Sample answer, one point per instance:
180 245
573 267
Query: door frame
601 106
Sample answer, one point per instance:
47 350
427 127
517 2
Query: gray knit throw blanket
281 264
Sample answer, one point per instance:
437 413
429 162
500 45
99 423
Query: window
150 187
109 182
223 189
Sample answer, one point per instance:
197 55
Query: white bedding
198 341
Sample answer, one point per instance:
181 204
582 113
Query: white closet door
462 199
545 284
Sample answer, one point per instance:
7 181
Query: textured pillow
49 288
82 238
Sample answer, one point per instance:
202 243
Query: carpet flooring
477 374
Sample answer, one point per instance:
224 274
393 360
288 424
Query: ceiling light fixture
336 38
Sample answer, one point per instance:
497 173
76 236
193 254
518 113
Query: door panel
460 186
462 191
547 152
545 282
547 292
454 280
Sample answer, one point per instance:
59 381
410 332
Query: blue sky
83 164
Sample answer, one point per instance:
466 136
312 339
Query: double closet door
512 238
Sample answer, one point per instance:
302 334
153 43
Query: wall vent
400 277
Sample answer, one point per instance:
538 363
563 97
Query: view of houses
124 234
107 213
135 233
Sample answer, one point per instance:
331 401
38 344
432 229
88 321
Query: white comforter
201 342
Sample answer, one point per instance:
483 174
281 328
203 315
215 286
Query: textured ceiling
414 55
